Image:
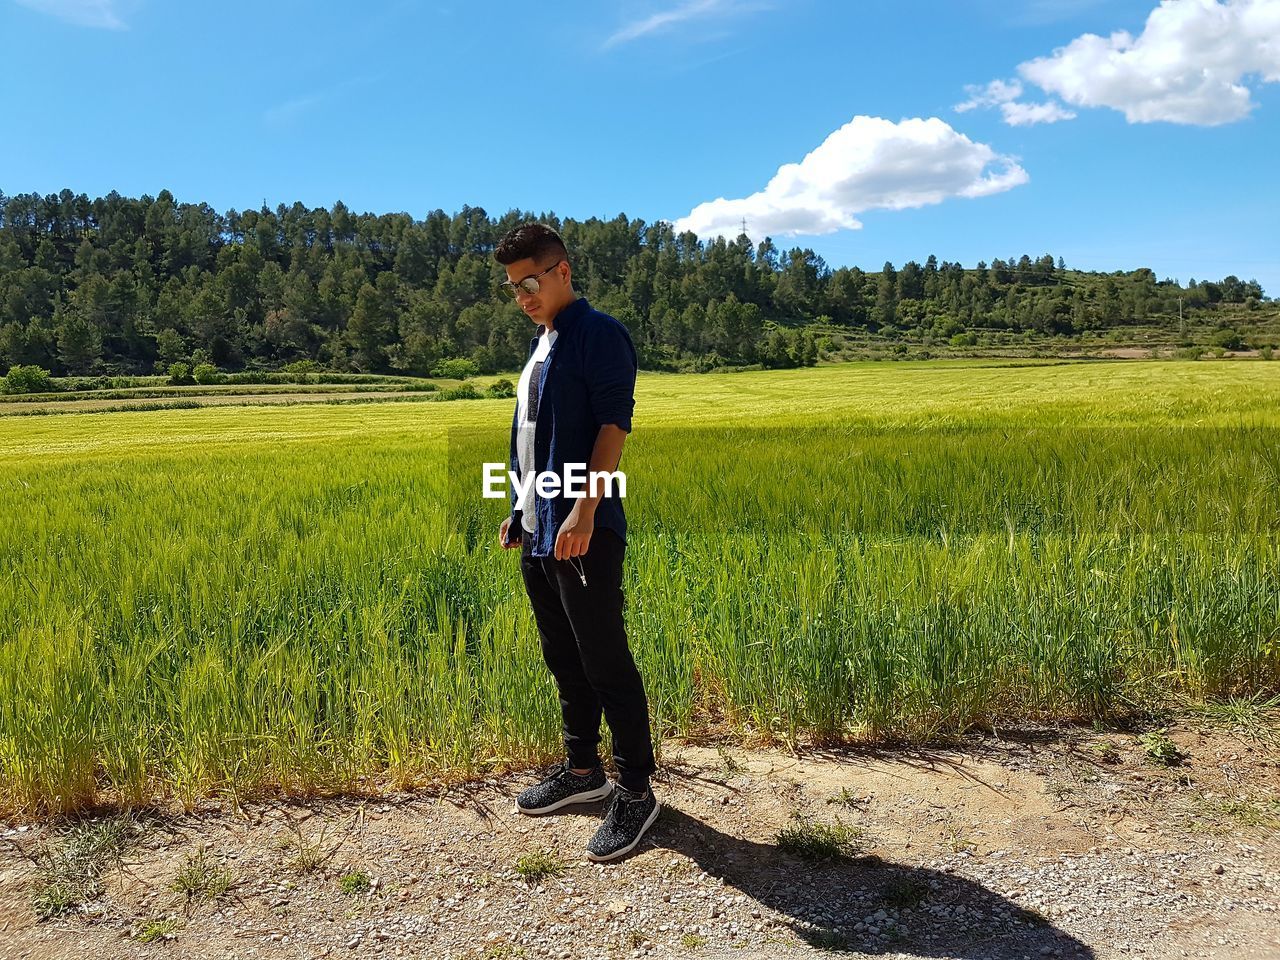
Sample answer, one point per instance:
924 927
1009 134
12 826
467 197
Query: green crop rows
224 601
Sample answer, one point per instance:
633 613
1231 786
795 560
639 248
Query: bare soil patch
1040 842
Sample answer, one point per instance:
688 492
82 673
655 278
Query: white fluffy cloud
1192 64
870 163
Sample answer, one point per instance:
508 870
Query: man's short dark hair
536 241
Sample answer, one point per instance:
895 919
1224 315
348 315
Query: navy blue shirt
588 380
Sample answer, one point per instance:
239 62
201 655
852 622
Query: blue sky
1161 153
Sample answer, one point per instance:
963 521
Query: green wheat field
226 601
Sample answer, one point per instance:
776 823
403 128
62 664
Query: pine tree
79 341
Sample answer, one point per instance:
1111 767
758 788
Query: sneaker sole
622 852
586 796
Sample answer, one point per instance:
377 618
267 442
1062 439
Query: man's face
553 288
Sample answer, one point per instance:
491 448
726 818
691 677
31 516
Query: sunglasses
529 285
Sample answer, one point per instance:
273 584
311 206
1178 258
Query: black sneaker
563 787
629 815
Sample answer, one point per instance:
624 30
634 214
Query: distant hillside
121 285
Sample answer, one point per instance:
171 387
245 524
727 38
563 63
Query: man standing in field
574 405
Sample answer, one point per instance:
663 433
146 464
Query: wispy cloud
1004 94
290 110
664 20
992 95
1019 114
287 111
688 66
102 14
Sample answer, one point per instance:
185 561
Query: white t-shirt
526 422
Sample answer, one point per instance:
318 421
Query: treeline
118 285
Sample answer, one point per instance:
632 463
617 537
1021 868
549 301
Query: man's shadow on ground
826 900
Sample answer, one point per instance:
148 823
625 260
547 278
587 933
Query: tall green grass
223 606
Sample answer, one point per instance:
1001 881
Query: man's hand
502 535
574 535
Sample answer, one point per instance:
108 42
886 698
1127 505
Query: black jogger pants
584 643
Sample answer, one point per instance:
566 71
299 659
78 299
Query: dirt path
1045 843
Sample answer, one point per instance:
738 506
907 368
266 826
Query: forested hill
125 285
